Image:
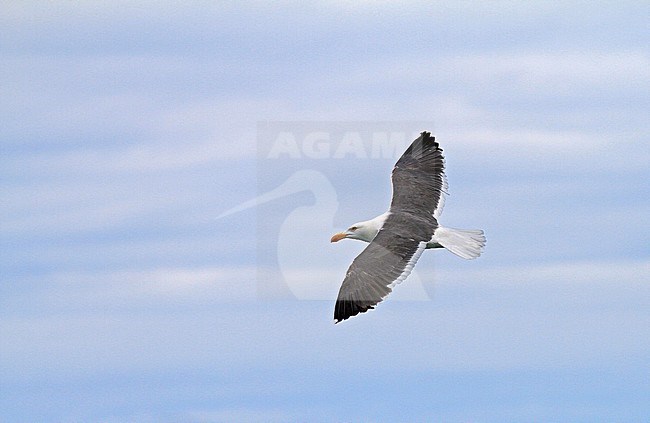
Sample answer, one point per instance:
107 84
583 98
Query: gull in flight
399 236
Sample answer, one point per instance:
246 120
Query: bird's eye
353 228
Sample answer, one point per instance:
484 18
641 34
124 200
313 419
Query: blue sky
128 127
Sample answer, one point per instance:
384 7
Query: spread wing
419 181
418 184
386 261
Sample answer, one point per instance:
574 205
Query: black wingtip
428 139
344 309
425 142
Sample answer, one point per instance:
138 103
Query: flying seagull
398 237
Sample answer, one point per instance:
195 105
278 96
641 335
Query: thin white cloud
146 157
98 290
532 72
572 273
79 207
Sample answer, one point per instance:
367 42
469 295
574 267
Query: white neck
372 226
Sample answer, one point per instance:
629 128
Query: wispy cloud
97 291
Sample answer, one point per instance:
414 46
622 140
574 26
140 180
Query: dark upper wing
386 261
418 177
418 184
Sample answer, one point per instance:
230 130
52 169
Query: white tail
465 243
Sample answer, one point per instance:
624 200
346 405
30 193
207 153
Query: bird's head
362 231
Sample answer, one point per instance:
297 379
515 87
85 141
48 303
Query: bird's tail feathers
465 243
